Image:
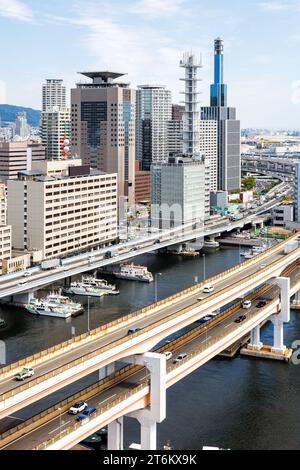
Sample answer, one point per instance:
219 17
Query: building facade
229 128
142 185
54 95
208 146
22 129
56 133
14 158
153 111
297 193
178 192
103 127
63 214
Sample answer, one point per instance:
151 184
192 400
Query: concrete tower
191 64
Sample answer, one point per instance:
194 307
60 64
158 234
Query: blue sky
146 39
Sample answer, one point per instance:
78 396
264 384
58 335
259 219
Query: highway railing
55 411
122 397
51 413
109 327
121 341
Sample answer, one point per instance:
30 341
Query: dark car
241 319
261 304
133 330
86 413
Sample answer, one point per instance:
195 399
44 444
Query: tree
249 183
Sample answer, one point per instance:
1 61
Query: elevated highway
129 389
77 358
13 285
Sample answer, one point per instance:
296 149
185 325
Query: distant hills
8 114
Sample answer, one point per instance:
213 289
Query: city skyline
146 39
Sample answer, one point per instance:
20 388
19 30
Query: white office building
58 215
54 95
208 146
178 192
297 193
56 133
153 111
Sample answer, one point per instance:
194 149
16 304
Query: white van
247 304
208 289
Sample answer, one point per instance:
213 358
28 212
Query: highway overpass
15 286
70 361
129 390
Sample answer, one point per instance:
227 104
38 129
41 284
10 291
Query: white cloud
157 8
15 9
277 6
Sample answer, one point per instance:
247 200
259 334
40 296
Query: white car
168 355
208 289
24 374
79 407
180 358
247 304
26 274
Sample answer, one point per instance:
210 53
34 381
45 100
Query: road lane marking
62 425
19 419
109 398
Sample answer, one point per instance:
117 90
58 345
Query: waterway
243 403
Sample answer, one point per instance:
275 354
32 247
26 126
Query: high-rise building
208 146
57 215
22 129
54 95
229 128
297 193
178 192
14 157
103 127
153 111
177 112
56 133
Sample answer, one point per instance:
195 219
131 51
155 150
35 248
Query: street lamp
204 266
60 423
156 286
89 314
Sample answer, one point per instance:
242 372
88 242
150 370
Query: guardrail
104 329
129 370
200 350
54 411
121 341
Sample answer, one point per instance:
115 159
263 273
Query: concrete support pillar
23 299
255 342
284 283
115 435
106 371
285 314
148 434
278 346
148 418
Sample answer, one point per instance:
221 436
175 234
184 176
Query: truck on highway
50 264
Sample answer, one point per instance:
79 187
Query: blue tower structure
218 91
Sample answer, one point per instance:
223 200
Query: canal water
243 403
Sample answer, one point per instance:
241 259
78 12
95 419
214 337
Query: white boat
42 308
63 301
100 284
133 272
211 244
247 254
84 288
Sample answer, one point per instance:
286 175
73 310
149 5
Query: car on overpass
24 374
78 407
86 414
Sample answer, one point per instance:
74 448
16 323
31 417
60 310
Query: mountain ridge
8 113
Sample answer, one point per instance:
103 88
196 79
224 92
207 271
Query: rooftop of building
102 79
